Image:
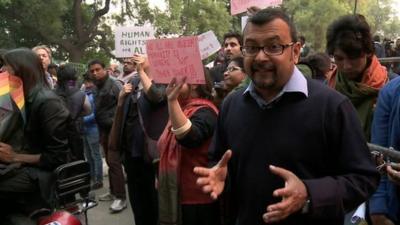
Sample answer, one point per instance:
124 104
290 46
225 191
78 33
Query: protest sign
208 44
244 21
239 6
175 57
131 40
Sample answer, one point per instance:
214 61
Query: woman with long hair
45 143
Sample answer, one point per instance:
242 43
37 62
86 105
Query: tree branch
78 18
96 18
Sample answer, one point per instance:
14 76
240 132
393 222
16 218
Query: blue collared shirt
296 83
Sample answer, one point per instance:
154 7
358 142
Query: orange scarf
375 76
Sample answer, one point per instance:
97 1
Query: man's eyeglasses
270 50
232 68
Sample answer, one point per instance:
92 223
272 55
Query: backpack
74 102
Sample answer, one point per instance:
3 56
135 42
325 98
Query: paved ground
100 215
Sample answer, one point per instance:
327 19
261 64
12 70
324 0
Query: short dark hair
65 73
319 62
302 39
96 61
52 65
87 77
205 90
377 38
234 35
269 14
351 34
2 52
238 60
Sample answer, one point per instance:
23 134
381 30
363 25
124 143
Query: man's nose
226 73
261 56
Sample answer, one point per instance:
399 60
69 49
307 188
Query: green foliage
79 35
71 32
381 17
312 18
186 17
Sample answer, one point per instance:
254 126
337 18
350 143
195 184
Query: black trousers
20 192
201 214
142 191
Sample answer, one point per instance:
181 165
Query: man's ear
296 52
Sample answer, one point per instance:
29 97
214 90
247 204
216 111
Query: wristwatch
306 207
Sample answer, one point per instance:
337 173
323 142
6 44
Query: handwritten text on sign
239 6
131 40
175 57
208 44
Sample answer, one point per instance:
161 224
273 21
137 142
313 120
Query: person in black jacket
141 110
105 100
45 143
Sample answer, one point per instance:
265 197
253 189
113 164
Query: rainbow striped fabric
11 90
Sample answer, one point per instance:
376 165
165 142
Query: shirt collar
297 83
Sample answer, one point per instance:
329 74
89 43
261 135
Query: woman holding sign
184 145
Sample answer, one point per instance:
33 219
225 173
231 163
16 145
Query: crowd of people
276 134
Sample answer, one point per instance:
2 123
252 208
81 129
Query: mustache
262 66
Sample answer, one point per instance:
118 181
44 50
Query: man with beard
298 154
129 71
106 98
232 45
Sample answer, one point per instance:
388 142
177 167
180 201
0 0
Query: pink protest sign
239 6
175 57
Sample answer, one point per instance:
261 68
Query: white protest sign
132 40
239 6
208 44
244 21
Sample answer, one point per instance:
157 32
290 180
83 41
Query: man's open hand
212 180
294 196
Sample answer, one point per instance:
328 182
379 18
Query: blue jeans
93 155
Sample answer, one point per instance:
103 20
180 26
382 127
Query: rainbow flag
11 90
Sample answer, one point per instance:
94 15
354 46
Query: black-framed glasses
232 68
270 50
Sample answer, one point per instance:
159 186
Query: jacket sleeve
203 124
53 117
380 136
354 177
156 93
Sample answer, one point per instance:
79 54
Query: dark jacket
45 131
154 110
106 98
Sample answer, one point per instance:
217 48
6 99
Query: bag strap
141 120
138 109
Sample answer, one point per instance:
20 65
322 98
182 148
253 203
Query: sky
159 3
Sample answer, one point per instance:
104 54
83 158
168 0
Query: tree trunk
75 54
